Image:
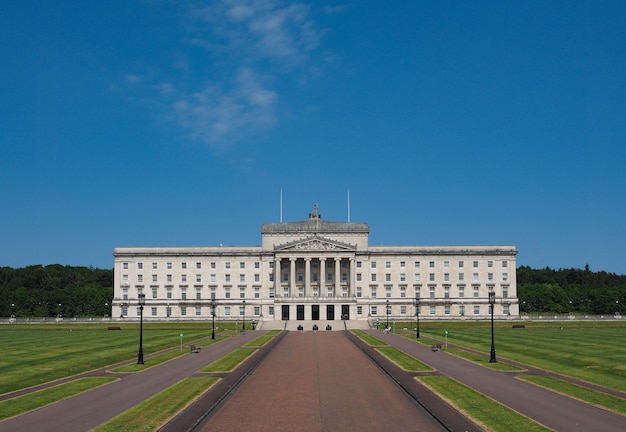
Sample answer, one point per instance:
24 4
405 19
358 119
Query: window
213 277
198 278
169 265
154 278
183 311
242 278
358 277
242 293
359 292
213 265
212 293
387 264
433 310
358 264
461 277
489 263
169 277
257 311
387 277
432 292
125 266
417 277
271 310
402 264
227 292
125 294
402 277
476 310
154 293
139 278
373 277
227 277
505 292
154 266
446 309
446 277
475 264
373 264
242 310
373 292
461 264
257 277
227 310
475 277
183 265
505 309
461 292
183 293
198 310
490 276
242 265
374 310
431 264
198 293
125 279
475 292
505 277
168 311
403 310
272 293
140 266
359 310
257 265
198 265
227 264
431 277
505 263
388 292
183 278
153 311
417 264
169 292
446 264
446 292
257 292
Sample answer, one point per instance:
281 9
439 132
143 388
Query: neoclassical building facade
315 270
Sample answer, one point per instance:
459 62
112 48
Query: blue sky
175 123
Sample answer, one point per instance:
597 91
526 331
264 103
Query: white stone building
315 270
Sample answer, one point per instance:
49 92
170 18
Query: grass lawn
33 354
370 340
230 361
588 350
404 360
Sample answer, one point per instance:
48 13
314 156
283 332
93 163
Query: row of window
329 264
184 278
229 311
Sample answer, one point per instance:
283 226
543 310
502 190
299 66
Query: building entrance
315 312
285 312
330 312
300 312
345 312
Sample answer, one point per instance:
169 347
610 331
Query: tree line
53 290
570 290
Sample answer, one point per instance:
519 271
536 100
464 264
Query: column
292 277
277 292
352 291
337 276
322 276
307 277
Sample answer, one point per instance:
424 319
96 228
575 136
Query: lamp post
387 326
492 302
417 313
213 319
243 325
142 301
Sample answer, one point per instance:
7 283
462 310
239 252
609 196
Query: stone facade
316 270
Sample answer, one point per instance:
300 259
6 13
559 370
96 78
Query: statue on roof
314 214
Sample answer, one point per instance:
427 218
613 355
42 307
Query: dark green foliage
571 290
38 291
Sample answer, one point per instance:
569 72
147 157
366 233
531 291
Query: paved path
87 410
551 409
319 382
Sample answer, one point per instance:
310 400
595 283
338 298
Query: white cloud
223 96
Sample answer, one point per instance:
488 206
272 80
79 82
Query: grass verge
262 340
230 361
603 400
156 411
404 360
486 412
22 404
370 340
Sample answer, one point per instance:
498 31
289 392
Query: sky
180 123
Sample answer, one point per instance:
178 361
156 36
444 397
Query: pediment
315 243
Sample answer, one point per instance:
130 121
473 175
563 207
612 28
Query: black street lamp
142 301
387 314
213 319
417 313
492 302
243 325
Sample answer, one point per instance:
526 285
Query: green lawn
590 351
37 353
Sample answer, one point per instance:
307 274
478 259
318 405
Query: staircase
292 325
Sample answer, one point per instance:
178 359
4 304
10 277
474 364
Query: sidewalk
553 410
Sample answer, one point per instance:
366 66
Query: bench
519 326
115 328
194 349
436 347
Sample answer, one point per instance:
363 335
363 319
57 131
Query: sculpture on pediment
314 214
315 245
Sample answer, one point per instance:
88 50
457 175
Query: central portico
314 266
